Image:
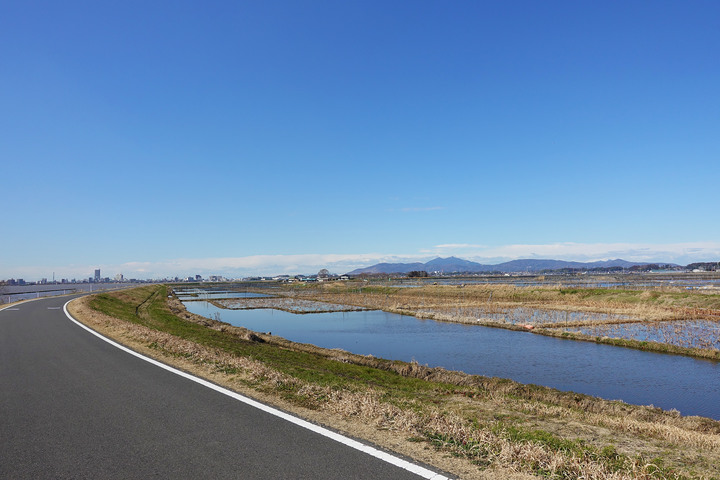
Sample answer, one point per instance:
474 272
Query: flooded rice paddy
197 294
689 385
682 333
289 304
525 315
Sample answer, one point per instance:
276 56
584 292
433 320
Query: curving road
75 406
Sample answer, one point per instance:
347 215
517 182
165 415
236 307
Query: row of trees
707 266
418 274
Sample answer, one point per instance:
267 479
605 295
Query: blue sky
237 138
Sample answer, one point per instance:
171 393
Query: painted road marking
54 308
391 459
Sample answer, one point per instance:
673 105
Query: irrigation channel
689 385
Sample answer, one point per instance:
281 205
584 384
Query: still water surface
202 295
689 385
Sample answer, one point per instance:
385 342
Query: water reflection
689 385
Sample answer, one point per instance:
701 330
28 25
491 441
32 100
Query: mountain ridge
459 265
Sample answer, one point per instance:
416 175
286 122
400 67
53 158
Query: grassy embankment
563 308
471 426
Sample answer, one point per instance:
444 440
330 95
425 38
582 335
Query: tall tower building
97 275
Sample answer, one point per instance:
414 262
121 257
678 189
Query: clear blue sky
159 137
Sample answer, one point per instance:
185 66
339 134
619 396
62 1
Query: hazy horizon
272 265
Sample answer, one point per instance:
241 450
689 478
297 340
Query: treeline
654 266
647 267
707 266
418 274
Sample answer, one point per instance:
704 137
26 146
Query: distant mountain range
458 265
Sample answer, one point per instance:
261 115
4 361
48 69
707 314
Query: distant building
97 275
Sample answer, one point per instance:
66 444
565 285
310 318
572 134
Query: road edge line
379 454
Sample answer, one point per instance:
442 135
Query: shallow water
689 385
216 295
523 315
683 333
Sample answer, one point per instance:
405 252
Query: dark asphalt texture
73 406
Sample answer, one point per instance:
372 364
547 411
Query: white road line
20 302
54 308
398 462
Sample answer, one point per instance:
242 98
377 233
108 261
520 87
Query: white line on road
398 462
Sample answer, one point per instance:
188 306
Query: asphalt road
74 406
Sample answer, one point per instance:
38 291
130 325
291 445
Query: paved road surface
74 406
